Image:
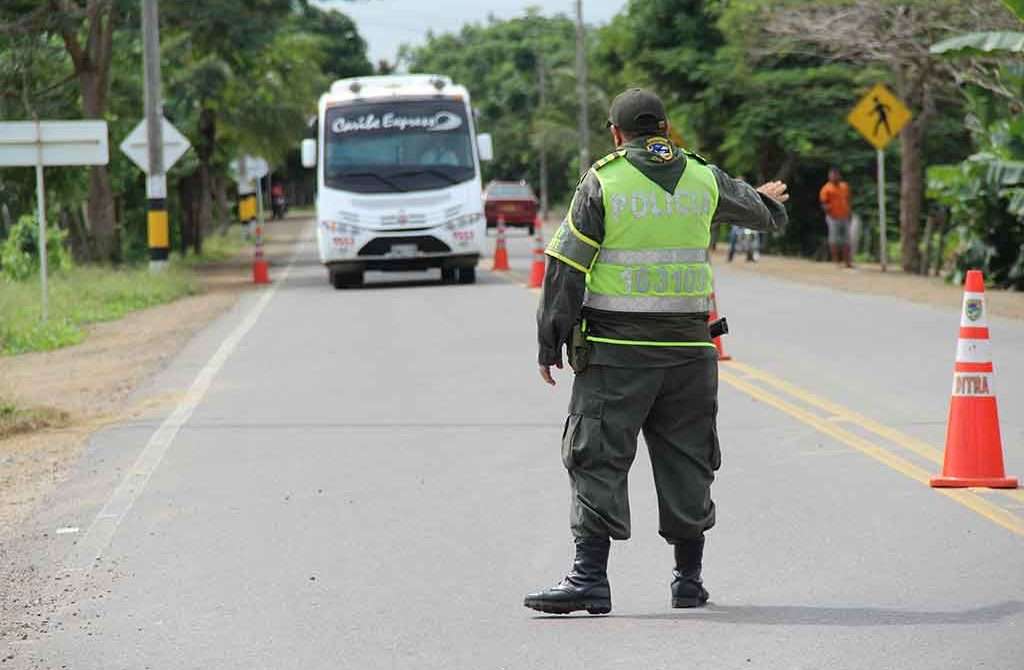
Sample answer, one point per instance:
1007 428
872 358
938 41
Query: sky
386 24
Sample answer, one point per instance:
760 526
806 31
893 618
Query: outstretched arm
741 204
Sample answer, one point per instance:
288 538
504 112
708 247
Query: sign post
40 143
41 204
136 147
246 171
879 116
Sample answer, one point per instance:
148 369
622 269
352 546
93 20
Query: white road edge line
101 531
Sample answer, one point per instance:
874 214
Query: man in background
835 201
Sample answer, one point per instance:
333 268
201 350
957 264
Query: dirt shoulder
869 278
91 384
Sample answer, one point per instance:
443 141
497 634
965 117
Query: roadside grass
91 294
217 248
15 420
78 297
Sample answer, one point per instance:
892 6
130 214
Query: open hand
776 190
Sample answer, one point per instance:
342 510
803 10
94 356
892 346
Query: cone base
967 482
500 262
260 273
724 357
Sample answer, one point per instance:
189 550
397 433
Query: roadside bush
19 255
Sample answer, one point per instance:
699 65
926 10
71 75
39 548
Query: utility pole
158 231
542 105
581 87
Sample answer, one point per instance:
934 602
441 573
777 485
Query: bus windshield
397 146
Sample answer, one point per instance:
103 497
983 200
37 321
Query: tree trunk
941 247
188 189
92 65
926 257
220 200
101 214
204 150
911 195
5 220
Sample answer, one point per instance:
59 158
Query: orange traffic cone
260 269
974 449
713 316
537 269
500 252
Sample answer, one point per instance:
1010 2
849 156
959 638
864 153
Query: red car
512 200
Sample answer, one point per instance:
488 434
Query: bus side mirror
485 146
309 153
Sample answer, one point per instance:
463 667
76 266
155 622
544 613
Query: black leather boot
687 588
586 585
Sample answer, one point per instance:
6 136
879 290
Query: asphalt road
370 478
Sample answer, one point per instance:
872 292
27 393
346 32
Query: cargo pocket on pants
572 424
581 440
716 450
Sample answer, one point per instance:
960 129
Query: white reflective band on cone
974 384
981 319
973 351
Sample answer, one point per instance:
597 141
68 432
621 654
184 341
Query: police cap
637 110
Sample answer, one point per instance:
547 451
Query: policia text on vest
627 293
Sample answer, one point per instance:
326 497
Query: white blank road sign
253 167
136 145
63 143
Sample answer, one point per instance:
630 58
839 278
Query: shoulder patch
697 157
609 158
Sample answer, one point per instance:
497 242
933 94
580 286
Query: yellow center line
841 413
968 499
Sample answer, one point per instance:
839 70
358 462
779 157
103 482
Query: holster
579 348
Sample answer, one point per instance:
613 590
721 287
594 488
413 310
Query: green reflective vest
653 258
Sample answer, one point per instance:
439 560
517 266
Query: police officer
627 293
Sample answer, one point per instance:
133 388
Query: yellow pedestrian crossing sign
879 116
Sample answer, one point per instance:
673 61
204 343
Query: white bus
398 178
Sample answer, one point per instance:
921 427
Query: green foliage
78 297
342 49
669 46
985 199
778 117
19 255
218 248
239 76
498 63
1015 6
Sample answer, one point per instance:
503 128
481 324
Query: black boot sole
568 607
681 603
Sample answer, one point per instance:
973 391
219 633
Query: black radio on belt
718 327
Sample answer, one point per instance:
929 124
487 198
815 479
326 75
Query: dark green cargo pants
675 407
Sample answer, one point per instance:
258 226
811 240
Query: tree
984 194
86 29
342 49
896 36
217 42
499 63
771 118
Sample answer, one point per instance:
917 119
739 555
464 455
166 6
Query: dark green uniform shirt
561 304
